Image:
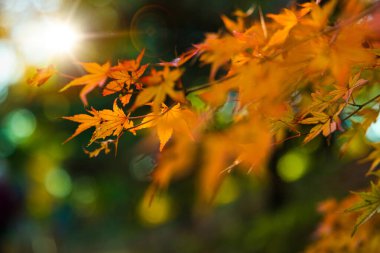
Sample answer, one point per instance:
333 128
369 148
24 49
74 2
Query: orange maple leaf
113 122
86 121
104 146
160 85
41 76
170 120
96 78
130 65
287 20
106 122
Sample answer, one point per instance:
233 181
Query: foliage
333 233
309 71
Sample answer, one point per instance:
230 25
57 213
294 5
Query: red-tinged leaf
183 58
123 79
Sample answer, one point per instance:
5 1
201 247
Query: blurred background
53 198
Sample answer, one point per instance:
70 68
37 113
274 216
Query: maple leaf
369 116
160 85
123 81
318 15
172 163
104 146
170 120
126 73
215 160
106 122
287 20
113 122
233 26
239 25
126 98
130 65
183 58
368 206
218 51
345 92
325 123
41 76
96 78
374 156
347 50
86 121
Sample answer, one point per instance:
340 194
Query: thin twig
361 106
207 85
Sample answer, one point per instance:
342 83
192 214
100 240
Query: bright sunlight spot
59 37
41 40
292 166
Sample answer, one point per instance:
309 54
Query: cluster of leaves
333 233
310 65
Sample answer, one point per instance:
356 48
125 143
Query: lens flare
59 37
41 40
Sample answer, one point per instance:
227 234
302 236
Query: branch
360 107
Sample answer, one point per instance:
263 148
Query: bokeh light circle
152 28
20 124
292 166
58 183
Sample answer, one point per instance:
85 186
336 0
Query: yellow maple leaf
96 78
